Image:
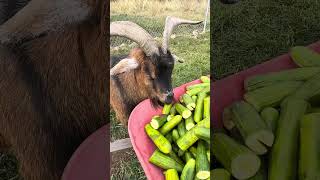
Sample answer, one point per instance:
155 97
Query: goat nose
169 99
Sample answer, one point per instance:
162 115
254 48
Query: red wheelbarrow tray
224 92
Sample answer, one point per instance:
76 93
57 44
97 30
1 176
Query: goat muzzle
169 97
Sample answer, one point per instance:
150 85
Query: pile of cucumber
274 132
182 135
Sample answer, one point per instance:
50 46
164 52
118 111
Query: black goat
146 72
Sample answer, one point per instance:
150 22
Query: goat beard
155 102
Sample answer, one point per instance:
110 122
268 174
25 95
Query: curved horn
136 33
171 23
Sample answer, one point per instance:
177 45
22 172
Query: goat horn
171 23
136 33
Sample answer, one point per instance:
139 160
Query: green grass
254 31
195 52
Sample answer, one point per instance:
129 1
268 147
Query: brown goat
53 82
146 72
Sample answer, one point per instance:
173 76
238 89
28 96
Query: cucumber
305 57
173 110
194 98
188 155
169 137
193 151
194 91
227 118
208 155
205 79
308 89
189 169
309 162
189 123
164 161
170 117
166 108
182 128
175 135
241 162
206 107
284 153
159 140
202 163
175 157
158 121
202 85
183 111
220 174
253 129
270 116
263 80
190 137
171 174
188 101
198 111
203 133
167 127
181 152
271 96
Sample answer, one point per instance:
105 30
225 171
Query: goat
146 72
53 82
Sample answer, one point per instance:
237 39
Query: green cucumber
185 112
187 155
309 163
240 161
270 115
284 152
171 174
188 101
189 170
198 111
182 128
203 133
206 107
159 140
175 135
174 156
220 174
164 161
202 85
158 121
167 127
166 108
194 91
205 79
173 110
202 163
305 57
189 123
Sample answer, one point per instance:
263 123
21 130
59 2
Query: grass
159 8
254 31
195 52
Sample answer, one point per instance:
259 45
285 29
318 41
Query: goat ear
123 66
39 17
177 59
